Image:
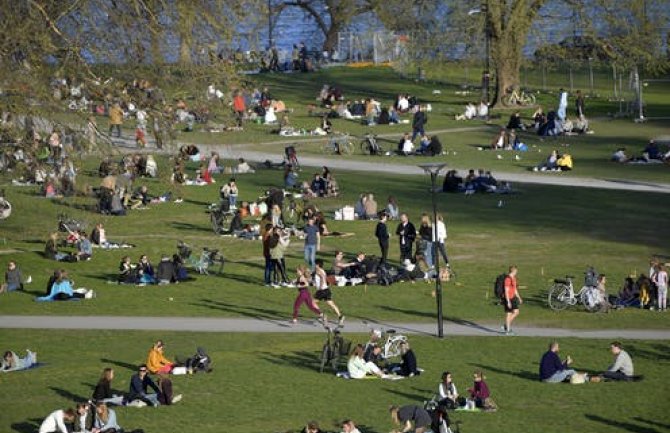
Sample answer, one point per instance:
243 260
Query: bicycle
339 144
370 146
562 294
392 343
220 218
5 206
518 97
334 348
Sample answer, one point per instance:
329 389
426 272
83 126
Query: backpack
200 361
384 277
499 287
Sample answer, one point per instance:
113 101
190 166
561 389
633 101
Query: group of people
651 154
480 181
168 271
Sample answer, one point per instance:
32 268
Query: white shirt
662 279
403 104
441 232
470 111
444 392
408 146
483 110
54 423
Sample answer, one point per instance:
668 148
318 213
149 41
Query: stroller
69 225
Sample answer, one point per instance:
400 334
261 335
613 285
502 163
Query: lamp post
434 170
486 74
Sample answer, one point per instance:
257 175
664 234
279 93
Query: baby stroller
69 225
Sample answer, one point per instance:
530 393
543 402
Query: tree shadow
409 395
241 278
122 364
299 359
68 395
470 324
526 375
113 277
654 423
407 312
188 226
30 426
274 316
197 202
659 352
621 425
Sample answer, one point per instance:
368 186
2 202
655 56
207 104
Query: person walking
312 242
406 234
382 235
115 119
512 300
323 292
419 123
304 296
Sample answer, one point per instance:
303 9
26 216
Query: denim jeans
310 255
428 254
560 376
267 276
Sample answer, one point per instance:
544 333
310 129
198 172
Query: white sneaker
136 403
177 398
29 279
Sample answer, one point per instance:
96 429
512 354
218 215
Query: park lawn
547 231
270 383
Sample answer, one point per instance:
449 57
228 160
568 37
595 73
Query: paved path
381 165
195 324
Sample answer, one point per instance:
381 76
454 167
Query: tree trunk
506 56
330 43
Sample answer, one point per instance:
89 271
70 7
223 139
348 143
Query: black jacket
382 233
420 119
407 233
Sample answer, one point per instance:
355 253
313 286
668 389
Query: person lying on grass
13 362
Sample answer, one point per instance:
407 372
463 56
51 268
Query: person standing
426 233
267 238
661 280
552 369
419 123
115 119
406 234
312 242
579 104
323 292
512 300
562 105
382 235
439 237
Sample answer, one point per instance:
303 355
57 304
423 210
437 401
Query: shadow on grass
625 426
126 365
30 426
114 278
654 423
660 352
527 375
241 278
431 315
197 202
68 395
409 395
277 317
301 359
188 226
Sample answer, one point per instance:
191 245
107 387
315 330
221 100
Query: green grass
270 383
547 231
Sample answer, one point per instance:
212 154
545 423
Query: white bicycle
562 294
392 342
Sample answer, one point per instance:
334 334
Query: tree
331 16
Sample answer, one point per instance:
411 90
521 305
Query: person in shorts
512 300
323 292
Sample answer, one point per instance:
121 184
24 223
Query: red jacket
238 103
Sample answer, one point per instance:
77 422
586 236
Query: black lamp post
434 170
486 74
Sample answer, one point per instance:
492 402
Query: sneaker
294 321
136 403
503 329
510 333
177 398
179 200
340 320
29 279
275 286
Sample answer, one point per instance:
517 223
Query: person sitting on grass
564 162
469 113
51 249
479 391
62 290
408 366
139 385
312 427
102 393
13 278
405 416
57 420
105 420
447 392
550 164
157 363
127 271
84 248
166 272
145 271
622 369
358 368
348 426
552 369
620 156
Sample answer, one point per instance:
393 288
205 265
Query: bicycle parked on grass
334 348
518 97
392 342
339 144
562 294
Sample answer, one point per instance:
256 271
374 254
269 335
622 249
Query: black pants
405 252
384 247
278 270
616 375
442 250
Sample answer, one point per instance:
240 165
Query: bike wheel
392 347
508 100
216 226
589 299
365 147
559 297
530 99
325 357
347 148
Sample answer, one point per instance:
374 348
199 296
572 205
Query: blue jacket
58 287
550 364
